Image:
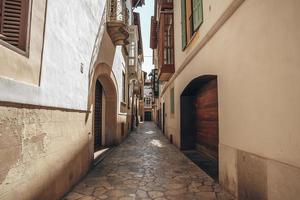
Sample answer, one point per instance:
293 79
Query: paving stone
207 195
141 194
73 196
147 167
102 197
100 191
155 194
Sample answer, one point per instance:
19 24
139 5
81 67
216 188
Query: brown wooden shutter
1 5
153 34
14 22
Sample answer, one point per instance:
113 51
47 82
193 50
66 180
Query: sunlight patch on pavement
157 143
150 132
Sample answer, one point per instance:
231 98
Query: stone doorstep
98 159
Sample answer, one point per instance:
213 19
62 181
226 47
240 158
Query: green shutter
183 23
172 101
197 14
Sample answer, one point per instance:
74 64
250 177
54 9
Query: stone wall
43 152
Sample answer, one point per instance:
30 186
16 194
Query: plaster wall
118 68
255 56
43 152
71 30
212 10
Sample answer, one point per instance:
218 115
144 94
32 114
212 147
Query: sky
146 12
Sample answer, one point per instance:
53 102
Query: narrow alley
147 166
149 100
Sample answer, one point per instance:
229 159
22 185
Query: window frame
166 45
188 29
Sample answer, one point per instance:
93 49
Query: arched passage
199 123
104 80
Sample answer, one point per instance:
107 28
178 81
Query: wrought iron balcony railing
117 21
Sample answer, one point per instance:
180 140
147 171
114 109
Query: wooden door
207 129
148 116
98 116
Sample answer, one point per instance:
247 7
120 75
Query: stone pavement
146 166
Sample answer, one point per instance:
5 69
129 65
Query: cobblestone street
147 166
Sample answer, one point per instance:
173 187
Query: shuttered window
197 14
123 87
14 22
172 101
183 23
191 19
1 4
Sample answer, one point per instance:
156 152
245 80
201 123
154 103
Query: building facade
229 87
156 108
148 101
67 88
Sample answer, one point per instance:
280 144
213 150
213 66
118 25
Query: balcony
166 47
117 21
165 5
137 89
132 49
153 33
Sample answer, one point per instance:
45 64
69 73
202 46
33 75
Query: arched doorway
199 123
98 117
103 88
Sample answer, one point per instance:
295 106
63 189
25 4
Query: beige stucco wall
255 56
42 152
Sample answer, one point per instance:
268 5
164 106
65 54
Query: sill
172 115
13 48
192 38
123 104
190 41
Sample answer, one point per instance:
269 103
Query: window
123 87
172 101
131 56
191 19
148 102
14 22
166 39
129 97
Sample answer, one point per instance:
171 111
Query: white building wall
118 68
70 33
